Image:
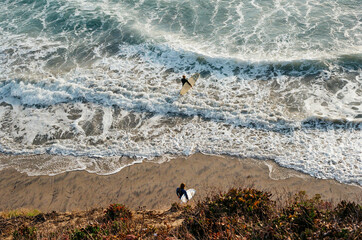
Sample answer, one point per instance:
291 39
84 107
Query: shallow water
280 80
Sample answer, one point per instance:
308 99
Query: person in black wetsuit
184 80
181 191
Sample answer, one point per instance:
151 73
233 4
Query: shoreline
152 185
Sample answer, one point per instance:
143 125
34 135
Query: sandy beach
152 185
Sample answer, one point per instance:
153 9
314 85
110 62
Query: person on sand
184 80
181 191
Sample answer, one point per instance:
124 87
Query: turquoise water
279 80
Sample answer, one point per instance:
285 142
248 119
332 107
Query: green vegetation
20 212
250 214
25 232
236 214
118 211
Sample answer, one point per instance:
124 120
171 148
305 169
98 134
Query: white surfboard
190 194
192 80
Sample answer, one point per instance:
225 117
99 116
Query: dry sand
152 185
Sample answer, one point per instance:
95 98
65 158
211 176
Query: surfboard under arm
190 194
192 80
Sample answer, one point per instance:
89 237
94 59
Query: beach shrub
302 213
236 214
239 202
78 234
25 232
349 211
117 227
20 212
119 212
175 207
89 232
222 215
313 218
250 214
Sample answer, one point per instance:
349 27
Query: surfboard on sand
190 194
192 80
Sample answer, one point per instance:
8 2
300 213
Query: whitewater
91 82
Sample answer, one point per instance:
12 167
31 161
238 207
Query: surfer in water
184 80
181 190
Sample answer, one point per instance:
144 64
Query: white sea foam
284 93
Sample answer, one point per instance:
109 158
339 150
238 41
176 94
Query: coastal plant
236 214
175 207
88 232
223 215
313 218
250 214
78 234
246 202
25 232
119 212
302 212
20 212
349 211
117 227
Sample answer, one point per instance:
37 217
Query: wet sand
152 185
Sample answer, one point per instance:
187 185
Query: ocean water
96 81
